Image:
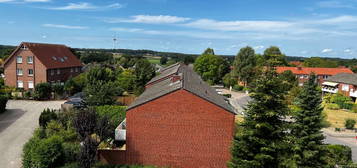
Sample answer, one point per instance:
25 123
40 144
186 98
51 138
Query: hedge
3 101
339 155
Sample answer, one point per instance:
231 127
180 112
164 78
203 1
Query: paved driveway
16 127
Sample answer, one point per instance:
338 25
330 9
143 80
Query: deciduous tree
245 65
211 67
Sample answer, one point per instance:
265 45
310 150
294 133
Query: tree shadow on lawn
9 117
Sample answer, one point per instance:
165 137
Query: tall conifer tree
260 140
306 131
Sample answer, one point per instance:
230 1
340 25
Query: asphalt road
16 127
351 142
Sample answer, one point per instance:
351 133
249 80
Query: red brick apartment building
302 73
179 121
33 63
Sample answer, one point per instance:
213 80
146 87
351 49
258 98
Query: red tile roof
317 71
52 55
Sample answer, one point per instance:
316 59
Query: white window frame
30 85
72 70
52 72
20 84
76 69
19 59
30 62
18 72
28 72
58 71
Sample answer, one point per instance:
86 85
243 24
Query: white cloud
258 47
327 50
348 51
151 19
85 6
239 25
202 35
334 4
64 26
338 19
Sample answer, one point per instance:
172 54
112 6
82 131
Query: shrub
354 108
3 101
46 116
44 153
337 129
116 114
344 102
71 87
70 152
339 155
332 106
28 152
28 94
42 91
58 90
238 87
350 123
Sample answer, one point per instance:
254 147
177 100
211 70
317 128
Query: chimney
299 68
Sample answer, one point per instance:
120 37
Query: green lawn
337 117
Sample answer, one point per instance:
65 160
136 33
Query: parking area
16 127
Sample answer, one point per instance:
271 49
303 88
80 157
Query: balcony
120 131
330 90
353 93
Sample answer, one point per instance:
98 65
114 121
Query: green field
154 61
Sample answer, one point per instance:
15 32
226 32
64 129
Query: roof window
54 58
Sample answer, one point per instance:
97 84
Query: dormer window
19 59
24 48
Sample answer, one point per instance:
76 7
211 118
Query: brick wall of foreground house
11 77
64 74
177 130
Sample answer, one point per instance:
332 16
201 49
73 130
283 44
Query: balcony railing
120 131
330 90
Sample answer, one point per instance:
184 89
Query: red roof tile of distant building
317 71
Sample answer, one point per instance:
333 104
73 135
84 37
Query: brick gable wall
176 130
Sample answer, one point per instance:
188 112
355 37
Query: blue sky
326 28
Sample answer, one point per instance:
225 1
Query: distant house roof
344 78
189 81
51 55
165 72
317 71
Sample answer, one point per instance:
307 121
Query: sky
326 28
